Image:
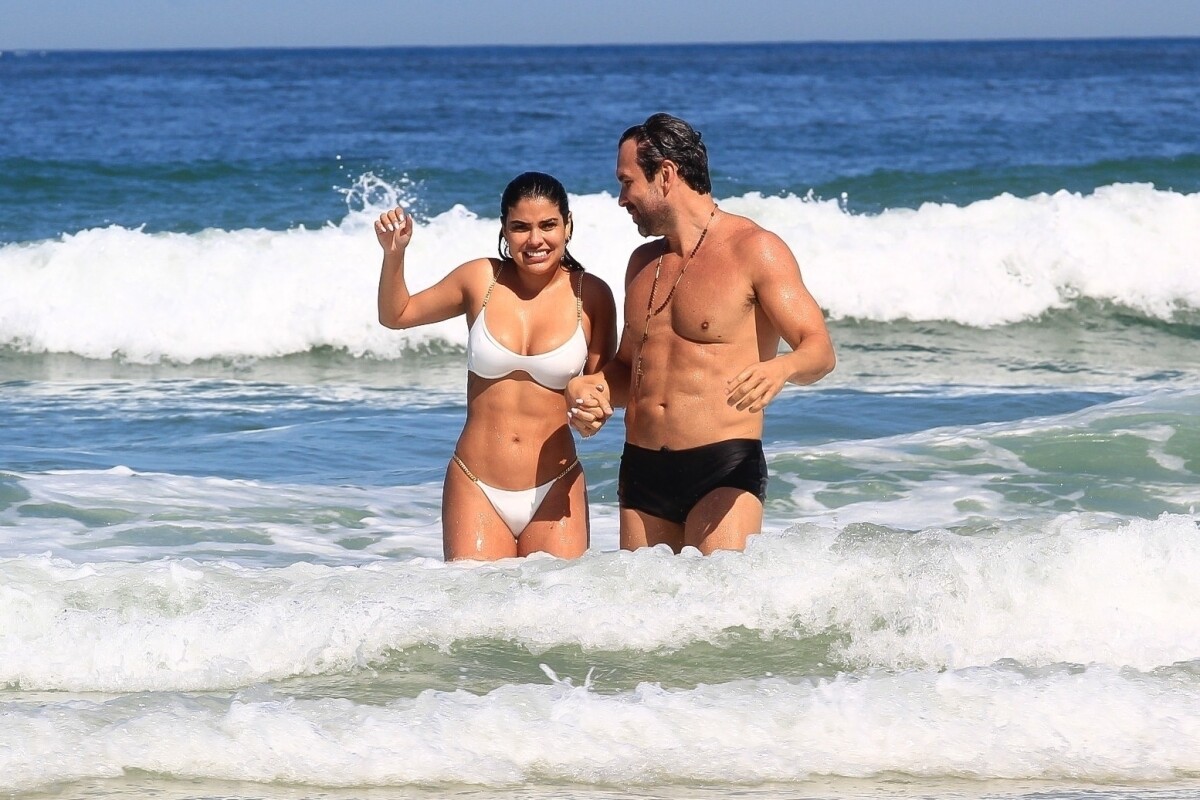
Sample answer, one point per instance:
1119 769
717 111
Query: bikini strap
570 467
579 299
467 470
488 295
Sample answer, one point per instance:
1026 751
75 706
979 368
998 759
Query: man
705 308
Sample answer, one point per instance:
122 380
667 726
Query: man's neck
692 219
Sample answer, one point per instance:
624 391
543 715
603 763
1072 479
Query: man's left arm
781 294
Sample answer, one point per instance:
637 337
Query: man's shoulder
641 256
745 232
751 243
646 251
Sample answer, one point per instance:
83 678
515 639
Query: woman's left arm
600 313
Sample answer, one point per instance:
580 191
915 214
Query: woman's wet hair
663 137
529 185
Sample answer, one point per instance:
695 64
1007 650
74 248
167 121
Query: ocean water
220 570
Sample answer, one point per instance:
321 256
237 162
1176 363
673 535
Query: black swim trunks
669 483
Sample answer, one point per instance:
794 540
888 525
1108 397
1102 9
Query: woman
535 319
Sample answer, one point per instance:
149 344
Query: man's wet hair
662 137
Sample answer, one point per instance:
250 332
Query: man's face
642 198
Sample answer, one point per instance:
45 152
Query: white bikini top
489 359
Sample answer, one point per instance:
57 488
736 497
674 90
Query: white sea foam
123 515
1076 591
1098 724
256 293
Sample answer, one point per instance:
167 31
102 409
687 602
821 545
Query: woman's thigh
471 528
561 526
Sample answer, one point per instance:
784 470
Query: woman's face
536 234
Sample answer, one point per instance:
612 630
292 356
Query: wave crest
146 297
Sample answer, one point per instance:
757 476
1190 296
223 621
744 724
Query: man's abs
680 420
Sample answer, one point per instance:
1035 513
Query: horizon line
26 51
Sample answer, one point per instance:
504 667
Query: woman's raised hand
394 230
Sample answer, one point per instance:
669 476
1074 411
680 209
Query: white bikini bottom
515 506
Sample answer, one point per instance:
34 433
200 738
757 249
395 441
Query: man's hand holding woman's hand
588 405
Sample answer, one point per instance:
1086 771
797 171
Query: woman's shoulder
476 267
591 280
595 289
478 273
473 280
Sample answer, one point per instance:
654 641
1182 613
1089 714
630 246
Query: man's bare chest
710 303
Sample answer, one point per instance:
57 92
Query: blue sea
220 548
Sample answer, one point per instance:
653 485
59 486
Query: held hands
588 406
394 230
755 386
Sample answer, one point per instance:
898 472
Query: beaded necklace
651 311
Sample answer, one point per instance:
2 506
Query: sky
173 24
